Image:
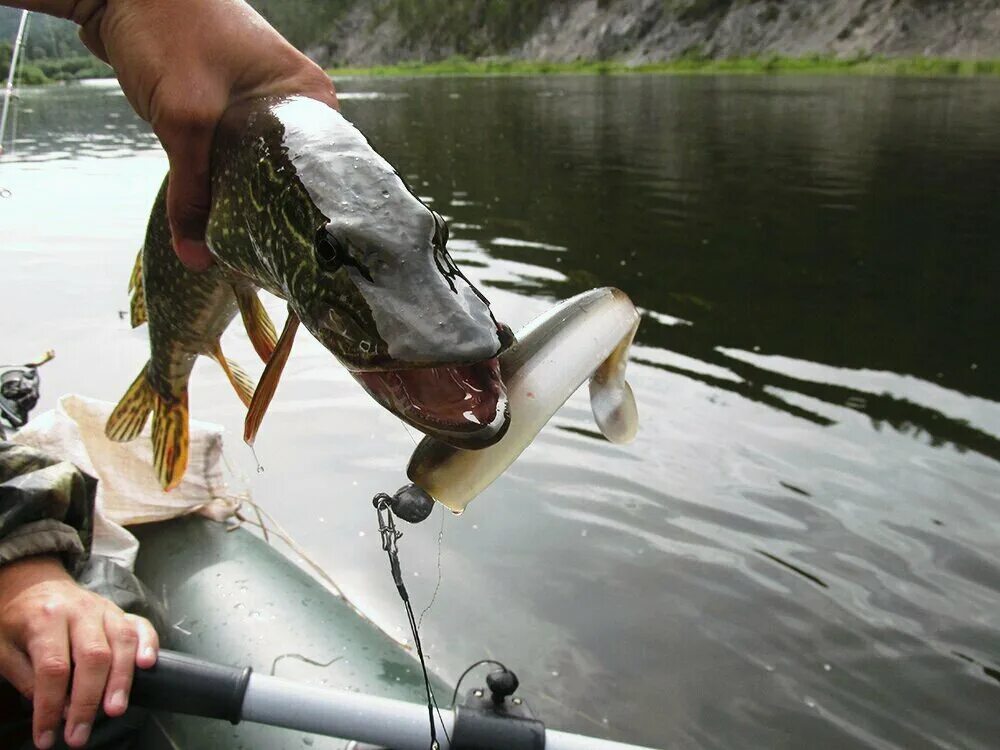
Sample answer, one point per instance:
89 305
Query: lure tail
170 428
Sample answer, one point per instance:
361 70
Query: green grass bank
73 68
816 65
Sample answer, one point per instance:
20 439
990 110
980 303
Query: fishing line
408 433
302 658
438 585
390 536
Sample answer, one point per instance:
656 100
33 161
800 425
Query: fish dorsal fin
269 380
242 383
137 306
258 323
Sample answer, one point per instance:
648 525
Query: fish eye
329 251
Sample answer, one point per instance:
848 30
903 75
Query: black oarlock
502 683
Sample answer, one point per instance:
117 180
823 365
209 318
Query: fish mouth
462 405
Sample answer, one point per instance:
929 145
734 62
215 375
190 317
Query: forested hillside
371 32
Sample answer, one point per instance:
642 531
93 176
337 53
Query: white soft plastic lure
587 336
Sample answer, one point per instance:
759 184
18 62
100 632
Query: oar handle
183 684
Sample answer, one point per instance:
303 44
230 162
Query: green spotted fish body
187 313
303 207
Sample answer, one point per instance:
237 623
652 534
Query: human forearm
46 506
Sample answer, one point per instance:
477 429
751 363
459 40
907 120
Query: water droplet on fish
385 193
459 512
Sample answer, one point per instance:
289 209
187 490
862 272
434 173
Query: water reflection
48 123
801 546
776 216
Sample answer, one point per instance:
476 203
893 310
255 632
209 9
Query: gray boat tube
587 336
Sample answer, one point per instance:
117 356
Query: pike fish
304 208
585 337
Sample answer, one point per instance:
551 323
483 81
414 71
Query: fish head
377 286
394 308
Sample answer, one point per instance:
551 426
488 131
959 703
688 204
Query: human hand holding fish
181 64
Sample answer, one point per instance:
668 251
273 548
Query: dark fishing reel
18 396
19 393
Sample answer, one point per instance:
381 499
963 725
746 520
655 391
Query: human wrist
26 572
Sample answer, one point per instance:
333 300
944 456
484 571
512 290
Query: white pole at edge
9 91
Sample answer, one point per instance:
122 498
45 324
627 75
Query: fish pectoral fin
242 383
129 417
170 441
258 323
137 305
137 308
269 380
135 280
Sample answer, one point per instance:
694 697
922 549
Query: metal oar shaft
337 713
365 718
183 684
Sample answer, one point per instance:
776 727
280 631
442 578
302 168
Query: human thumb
189 195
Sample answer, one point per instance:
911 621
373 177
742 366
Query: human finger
89 14
189 195
15 667
48 649
149 642
91 664
124 641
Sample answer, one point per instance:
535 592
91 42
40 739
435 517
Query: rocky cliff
639 31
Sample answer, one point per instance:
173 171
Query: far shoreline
774 65
818 65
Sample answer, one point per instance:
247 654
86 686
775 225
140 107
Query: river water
802 547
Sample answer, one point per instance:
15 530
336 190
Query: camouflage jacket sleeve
46 507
